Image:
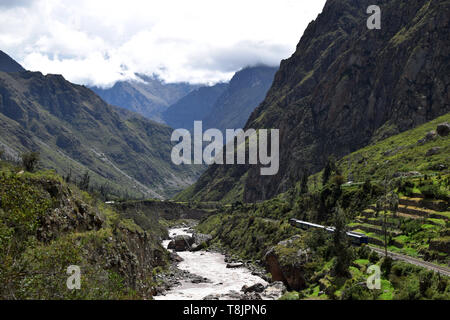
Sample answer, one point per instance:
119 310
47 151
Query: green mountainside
343 88
75 131
412 168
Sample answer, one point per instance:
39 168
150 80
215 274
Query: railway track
417 262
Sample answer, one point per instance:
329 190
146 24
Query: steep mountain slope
148 97
75 130
7 64
193 107
247 89
223 106
345 87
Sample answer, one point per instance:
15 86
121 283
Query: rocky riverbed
211 275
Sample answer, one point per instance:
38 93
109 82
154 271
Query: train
355 237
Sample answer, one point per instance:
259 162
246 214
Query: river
208 265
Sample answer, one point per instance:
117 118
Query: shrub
84 183
374 257
364 252
386 266
338 180
30 161
433 192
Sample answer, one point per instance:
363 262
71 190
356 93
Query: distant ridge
225 105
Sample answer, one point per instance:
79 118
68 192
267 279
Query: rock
200 238
175 257
429 137
198 247
211 297
199 280
181 243
251 296
433 151
438 167
235 265
274 290
406 174
233 295
259 287
288 268
443 129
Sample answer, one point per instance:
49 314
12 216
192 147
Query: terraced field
420 228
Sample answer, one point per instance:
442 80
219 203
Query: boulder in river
259 287
274 290
233 295
234 265
200 238
175 257
198 247
181 243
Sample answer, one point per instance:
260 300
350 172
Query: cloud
14 3
100 42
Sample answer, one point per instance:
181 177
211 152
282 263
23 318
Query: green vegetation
30 161
403 213
47 225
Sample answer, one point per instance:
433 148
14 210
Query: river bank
212 275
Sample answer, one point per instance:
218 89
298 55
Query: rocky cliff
345 87
47 226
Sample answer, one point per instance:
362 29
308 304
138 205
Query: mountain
223 106
7 64
148 96
247 89
193 107
344 88
75 130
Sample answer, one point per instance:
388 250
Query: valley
338 186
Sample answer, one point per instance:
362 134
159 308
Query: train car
355 237
358 238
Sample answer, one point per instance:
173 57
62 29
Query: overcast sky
98 42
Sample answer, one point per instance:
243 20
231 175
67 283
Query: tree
68 178
326 173
84 183
104 191
387 202
330 167
30 161
341 246
304 183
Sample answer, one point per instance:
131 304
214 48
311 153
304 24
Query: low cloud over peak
199 41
